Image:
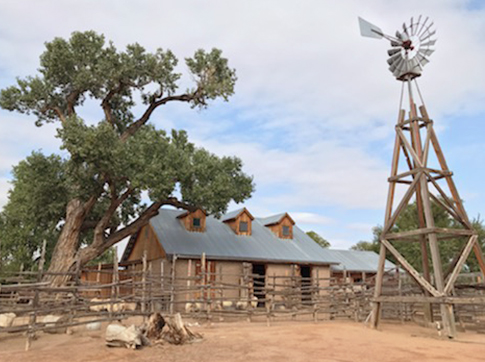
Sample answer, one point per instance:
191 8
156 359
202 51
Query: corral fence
104 293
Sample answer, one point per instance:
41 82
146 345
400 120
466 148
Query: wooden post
150 291
144 285
316 295
209 290
162 284
203 281
116 274
189 274
399 287
172 282
98 275
35 303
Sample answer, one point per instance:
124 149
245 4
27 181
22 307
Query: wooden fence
104 294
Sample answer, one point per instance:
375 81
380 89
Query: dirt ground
282 341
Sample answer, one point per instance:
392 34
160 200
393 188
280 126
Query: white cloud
315 102
310 218
4 187
363 227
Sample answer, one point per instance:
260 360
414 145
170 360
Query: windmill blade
427 36
415 25
397 65
393 51
369 30
422 60
411 26
429 43
426 52
422 27
393 58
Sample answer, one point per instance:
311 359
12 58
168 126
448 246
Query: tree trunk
64 256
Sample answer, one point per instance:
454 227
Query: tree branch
95 249
71 100
103 224
105 104
131 130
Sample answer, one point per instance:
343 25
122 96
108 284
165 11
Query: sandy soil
283 341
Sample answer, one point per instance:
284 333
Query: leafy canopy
110 165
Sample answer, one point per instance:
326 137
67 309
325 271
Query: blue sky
315 106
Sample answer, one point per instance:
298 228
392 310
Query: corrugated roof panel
220 242
231 215
356 260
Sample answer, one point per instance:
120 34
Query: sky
314 108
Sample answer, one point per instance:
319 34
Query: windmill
416 140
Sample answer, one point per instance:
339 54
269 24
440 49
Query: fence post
35 304
144 285
172 289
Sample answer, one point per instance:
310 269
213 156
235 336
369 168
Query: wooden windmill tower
416 146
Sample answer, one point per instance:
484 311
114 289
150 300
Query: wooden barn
175 240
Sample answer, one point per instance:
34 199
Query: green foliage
213 77
318 239
408 220
123 156
36 206
366 246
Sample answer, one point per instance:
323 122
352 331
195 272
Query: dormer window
239 221
193 221
281 225
243 226
286 230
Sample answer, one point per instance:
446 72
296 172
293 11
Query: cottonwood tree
110 163
318 239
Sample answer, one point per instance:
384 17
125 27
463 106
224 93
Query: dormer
240 221
193 221
281 225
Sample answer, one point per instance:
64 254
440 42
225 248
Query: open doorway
259 281
306 284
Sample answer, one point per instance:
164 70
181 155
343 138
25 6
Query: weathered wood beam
459 264
410 269
453 206
376 308
404 202
424 299
408 147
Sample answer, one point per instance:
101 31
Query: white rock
6 319
94 326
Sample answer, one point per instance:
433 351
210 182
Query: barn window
243 226
196 222
286 230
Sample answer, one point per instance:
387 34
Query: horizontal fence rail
106 294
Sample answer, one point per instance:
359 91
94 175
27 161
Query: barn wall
148 240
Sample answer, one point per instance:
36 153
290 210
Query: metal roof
357 260
274 219
219 242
